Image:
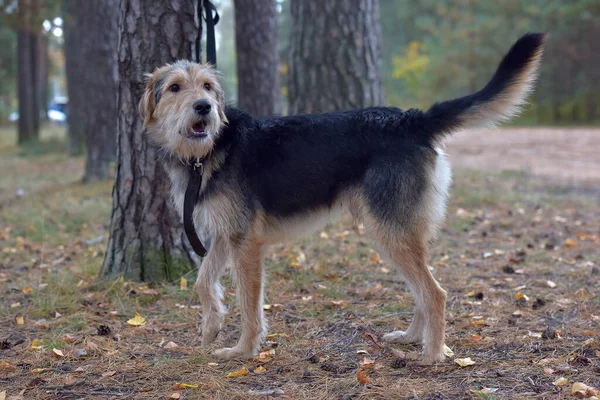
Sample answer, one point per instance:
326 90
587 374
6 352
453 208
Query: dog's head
183 108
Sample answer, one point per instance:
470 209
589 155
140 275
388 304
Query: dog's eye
174 88
207 86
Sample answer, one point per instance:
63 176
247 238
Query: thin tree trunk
146 237
335 55
42 76
99 43
73 32
28 127
257 52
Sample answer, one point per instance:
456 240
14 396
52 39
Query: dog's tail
500 100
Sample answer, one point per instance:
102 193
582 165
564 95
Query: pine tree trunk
43 71
335 55
29 112
73 31
99 43
257 52
146 234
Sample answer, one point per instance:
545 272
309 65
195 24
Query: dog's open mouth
198 130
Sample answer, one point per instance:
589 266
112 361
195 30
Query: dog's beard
188 136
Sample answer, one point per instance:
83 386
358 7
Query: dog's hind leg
408 253
210 290
249 276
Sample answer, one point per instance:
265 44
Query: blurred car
57 111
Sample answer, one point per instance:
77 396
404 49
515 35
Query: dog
267 180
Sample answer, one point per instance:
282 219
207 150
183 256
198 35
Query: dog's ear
147 103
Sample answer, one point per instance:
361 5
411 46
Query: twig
86 393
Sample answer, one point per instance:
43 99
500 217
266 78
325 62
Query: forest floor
519 256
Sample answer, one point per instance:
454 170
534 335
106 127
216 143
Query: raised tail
500 100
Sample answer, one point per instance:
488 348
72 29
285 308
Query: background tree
28 31
98 81
259 82
146 235
335 55
73 32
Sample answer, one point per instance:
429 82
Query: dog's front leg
249 273
210 290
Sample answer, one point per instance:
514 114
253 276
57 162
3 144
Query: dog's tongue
199 127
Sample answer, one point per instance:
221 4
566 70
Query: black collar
196 169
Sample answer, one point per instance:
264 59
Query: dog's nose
202 107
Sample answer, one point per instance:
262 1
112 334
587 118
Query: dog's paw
430 359
400 337
228 353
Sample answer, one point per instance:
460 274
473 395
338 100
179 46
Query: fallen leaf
362 378
3 395
151 292
181 386
19 242
58 353
36 344
15 305
19 319
562 381
375 259
265 356
27 289
551 284
144 390
212 364
39 370
362 352
570 243
175 395
108 373
464 362
183 283
448 351
260 370
80 353
366 363
6 367
137 320
170 345
238 373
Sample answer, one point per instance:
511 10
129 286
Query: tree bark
73 32
29 111
42 76
257 52
98 79
146 237
335 55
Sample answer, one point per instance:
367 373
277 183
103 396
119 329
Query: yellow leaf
6 367
238 373
58 353
448 351
19 319
137 320
265 355
464 362
3 395
36 344
183 284
180 386
520 296
39 370
470 294
260 370
562 381
27 289
19 242
15 305
375 259
362 378
568 243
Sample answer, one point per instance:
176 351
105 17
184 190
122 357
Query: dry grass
331 298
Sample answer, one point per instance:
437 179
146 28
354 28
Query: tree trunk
29 111
257 52
98 79
73 32
42 76
335 55
146 237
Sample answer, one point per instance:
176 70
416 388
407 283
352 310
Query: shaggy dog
267 180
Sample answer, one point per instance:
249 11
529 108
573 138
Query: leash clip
199 164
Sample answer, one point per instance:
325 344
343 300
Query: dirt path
564 154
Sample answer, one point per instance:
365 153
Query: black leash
196 167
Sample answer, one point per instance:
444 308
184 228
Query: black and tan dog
269 179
